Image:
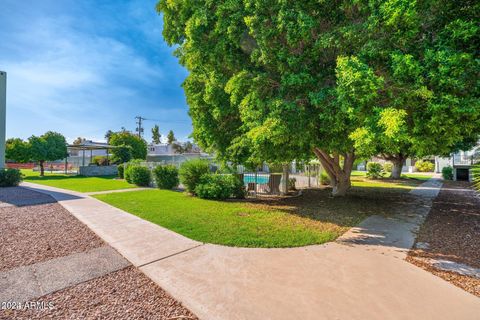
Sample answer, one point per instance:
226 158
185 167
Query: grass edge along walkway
76 182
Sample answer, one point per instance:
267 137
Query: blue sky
83 67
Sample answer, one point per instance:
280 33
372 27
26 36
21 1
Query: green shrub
324 179
219 186
388 167
127 170
476 177
291 183
447 173
121 170
139 176
374 170
424 166
10 177
166 176
100 160
191 171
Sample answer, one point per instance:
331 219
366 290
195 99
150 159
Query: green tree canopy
156 134
171 137
274 80
138 146
50 146
17 150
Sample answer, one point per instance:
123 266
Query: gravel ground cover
34 228
124 294
451 232
38 230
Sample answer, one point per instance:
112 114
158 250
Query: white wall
3 112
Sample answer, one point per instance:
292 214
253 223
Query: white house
461 162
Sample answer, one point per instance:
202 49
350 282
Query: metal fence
264 180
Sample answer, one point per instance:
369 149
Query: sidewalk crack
171 255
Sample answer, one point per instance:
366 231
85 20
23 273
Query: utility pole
139 128
3 113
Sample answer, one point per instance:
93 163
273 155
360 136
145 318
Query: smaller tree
126 138
50 146
121 154
108 134
17 150
79 141
156 134
171 137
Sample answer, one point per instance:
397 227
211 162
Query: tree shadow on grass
360 203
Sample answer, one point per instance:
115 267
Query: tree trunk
42 170
285 178
397 168
339 176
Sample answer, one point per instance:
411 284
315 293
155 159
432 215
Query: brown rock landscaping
53 266
448 243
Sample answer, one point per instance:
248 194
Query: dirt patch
451 232
124 294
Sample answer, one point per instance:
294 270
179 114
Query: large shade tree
281 80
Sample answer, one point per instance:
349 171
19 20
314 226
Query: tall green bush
424 166
10 177
166 176
121 170
220 186
128 169
324 179
140 176
476 177
191 171
374 170
388 167
447 173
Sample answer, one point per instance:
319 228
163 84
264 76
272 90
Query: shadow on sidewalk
30 196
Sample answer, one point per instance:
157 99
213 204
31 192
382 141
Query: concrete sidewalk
361 276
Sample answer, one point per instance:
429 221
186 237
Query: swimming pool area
261 178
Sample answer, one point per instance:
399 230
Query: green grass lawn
227 223
312 218
76 183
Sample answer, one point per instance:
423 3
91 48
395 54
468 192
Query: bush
127 170
476 177
120 170
388 167
424 166
291 184
100 160
139 176
220 186
10 177
324 178
166 176
447 173
374 170
238 187
190 173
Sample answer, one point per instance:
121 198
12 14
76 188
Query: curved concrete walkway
362 275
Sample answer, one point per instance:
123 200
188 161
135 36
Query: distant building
461 162
168 153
